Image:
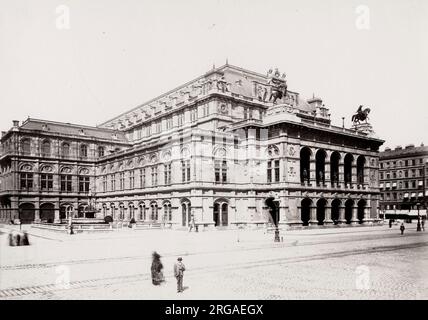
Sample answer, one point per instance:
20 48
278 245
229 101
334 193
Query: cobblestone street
334 263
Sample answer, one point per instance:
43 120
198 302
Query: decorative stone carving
272 151
220 153
46 169
166 156
68 170
83 171
26 167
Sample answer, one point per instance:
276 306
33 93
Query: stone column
312 172
342 173
342 219
354 175
367 209
313 217
327 173
327 219
37 211
56 212
354 219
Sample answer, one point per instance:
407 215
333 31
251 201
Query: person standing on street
156 269
390 223
402 228
423 224
179 269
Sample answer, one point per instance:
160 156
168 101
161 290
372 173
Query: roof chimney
410 146
15 123
387 149
398 148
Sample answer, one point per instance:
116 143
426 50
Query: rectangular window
273 171
83 184
169 123
180 119
113 182
26 181
154 176
104 183
269 171
121 181
276 170
220 171
167 173
205 110
46 181
159 126
66 183
142 178
131 179
185 170
194 114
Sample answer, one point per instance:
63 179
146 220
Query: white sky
118 54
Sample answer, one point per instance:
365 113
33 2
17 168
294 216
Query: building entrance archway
360 212
306 211
349 207
321 203
27 213
47 212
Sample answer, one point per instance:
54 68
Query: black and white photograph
213 150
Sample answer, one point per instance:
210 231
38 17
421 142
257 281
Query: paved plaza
373 262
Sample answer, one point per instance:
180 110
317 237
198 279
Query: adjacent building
403 175
215 148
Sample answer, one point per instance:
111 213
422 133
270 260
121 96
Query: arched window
83 150
334 168
46 148
348 169
320 167
305 160
360 169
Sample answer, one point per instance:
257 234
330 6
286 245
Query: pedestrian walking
192 223
402 228
390 223
423 224
156 269
179 269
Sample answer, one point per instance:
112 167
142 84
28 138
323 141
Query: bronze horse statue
361 115
278 92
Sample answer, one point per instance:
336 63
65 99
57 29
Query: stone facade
215 148
403 177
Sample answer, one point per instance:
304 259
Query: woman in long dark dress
157 274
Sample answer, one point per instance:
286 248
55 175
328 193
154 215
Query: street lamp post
418 228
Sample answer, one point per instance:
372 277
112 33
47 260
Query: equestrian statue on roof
361 115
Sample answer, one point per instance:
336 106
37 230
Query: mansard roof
241 82
408 151
72 130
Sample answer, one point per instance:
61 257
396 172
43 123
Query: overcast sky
118 54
